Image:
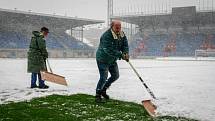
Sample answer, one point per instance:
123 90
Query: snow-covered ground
184 88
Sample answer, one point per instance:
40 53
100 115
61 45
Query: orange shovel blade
47 76
150 107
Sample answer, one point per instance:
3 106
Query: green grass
79 107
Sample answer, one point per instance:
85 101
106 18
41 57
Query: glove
125 57
45 56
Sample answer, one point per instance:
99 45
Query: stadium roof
139 19
180 16
40 19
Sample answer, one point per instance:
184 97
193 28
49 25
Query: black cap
44 29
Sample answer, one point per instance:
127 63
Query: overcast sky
97 9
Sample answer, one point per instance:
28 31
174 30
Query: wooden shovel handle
49 65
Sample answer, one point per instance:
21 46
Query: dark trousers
103 71
34 80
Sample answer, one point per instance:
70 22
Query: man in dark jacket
37 56
113 46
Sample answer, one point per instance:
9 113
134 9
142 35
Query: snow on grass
77 107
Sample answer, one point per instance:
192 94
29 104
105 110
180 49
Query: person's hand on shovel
125 57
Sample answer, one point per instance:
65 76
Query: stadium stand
178 33
13 40
177 44
16 31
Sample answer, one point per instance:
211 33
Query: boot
104 94
43 87
34 86
98 98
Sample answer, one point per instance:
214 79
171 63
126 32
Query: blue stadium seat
55 40
154 44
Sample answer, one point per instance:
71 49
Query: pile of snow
86 41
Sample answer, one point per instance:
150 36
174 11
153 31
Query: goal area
205 53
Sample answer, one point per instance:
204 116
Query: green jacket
111 47
37 53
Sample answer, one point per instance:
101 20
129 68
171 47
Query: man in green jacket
113 46
37 56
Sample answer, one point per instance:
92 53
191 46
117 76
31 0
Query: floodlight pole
109 12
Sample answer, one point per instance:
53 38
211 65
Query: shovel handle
49 65
147 88
135 70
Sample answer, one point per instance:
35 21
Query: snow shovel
148 105
51 77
